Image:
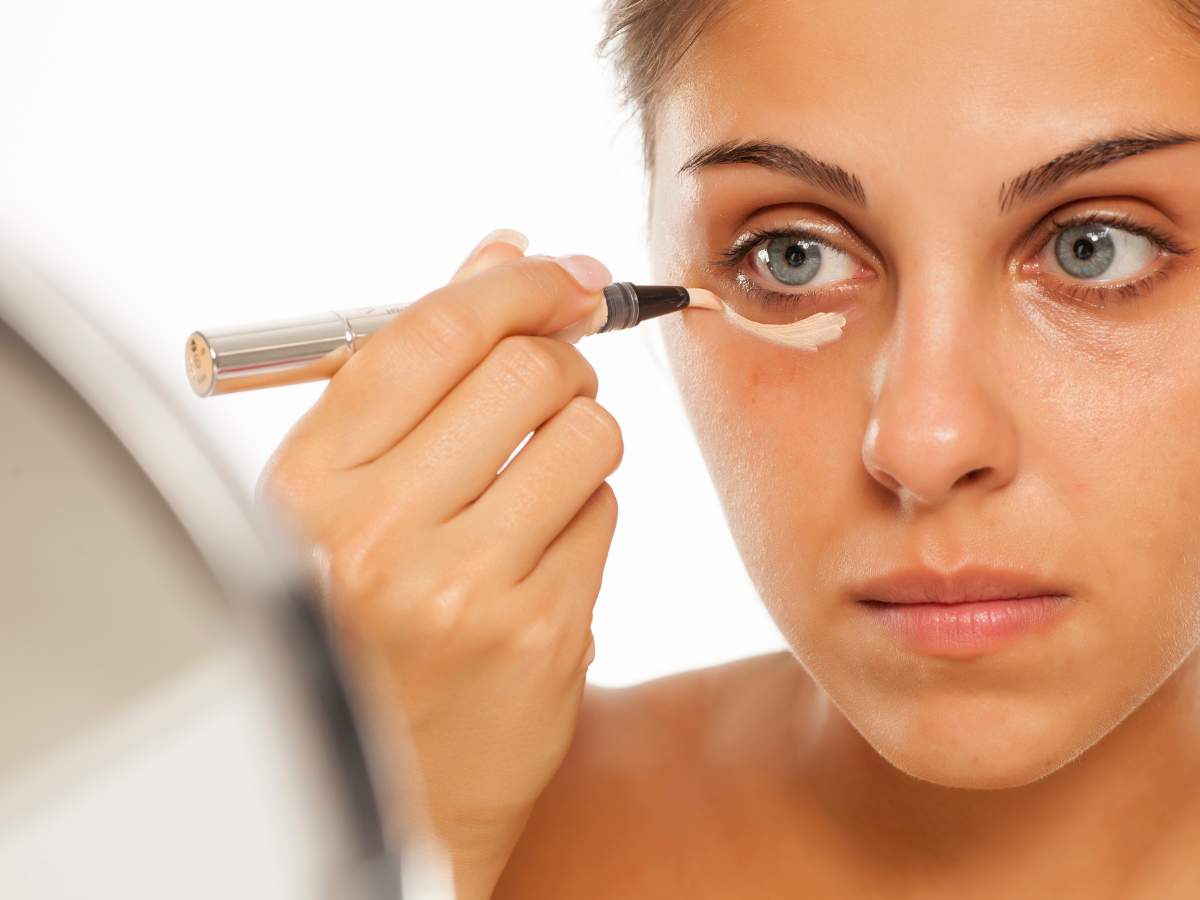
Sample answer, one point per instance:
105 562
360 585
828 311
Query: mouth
964 614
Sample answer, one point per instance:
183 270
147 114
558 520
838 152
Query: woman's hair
646 39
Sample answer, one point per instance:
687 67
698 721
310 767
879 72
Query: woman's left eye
796 261
1096 252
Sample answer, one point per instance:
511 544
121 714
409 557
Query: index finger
390 385
500 246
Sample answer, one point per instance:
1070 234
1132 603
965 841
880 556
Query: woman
975 516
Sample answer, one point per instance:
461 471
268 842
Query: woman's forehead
879 85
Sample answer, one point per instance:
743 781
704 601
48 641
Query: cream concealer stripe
807 334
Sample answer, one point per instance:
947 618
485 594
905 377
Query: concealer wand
221 361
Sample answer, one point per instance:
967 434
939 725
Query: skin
1037 768
462 597
978 411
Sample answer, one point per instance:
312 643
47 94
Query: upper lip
964 585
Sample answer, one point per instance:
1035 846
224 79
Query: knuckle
290 476
296 490
586 375
283 480
596 426
364 547
542 281
373 599
529 363
605 500
354 569
542 637
446 331
587 653
559 640
400 585
547 278
445 604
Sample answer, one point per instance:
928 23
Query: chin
979 744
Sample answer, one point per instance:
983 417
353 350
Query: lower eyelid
1101 293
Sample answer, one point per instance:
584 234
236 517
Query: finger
499 246
412 363
452 456
570 572
543 488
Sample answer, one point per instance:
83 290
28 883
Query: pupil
1085 251
792 260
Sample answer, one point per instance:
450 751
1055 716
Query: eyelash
743 246
1081 292
1098 294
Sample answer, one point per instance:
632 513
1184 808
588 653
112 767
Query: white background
187 164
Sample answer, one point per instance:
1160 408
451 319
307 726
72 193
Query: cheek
1118 444
781 432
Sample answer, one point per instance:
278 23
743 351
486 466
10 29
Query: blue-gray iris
793 262
1085 251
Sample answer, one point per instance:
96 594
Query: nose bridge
933 340
938 422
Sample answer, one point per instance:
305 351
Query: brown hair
646 39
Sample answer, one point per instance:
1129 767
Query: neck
1129 803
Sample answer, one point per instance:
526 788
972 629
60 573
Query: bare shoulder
649 774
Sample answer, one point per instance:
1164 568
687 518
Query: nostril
886 479
973 475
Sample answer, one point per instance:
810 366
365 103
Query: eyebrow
781 158
1045 178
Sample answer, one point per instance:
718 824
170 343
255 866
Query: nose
939 423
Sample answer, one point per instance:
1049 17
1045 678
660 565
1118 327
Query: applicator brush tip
702 299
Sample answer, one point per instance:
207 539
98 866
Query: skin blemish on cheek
807 334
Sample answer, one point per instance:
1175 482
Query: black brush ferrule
658 300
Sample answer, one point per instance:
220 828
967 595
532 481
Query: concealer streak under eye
807 334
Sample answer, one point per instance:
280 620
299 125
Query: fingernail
591 274
507 236
500 235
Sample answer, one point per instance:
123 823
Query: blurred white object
143 605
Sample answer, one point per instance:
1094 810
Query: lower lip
958 628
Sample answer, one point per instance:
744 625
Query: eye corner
1031 266
864 272
1176 249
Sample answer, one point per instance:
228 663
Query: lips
966 613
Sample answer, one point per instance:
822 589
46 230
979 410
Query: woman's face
976 515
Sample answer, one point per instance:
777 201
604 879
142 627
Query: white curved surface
102 819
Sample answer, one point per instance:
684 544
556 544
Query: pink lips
962 614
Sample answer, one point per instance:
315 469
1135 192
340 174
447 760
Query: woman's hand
464 597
